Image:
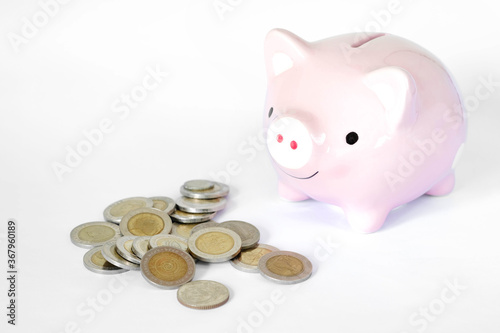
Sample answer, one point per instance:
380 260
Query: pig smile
314 174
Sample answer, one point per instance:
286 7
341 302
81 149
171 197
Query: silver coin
168 240
94 261
190 205
214 244
109 253
249 233
285 267
124 249
115 211
198 185
219 190
165 204
203 294
145 222
167 267
204 225
90 234
183 217
140 245
248 260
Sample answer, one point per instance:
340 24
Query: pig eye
289 142
270 113
351 138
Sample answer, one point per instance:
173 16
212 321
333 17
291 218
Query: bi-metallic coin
183 217
168 240
88 235
190 205
140 245
249 234
248 260
165 204
218 190
198 185
285 267
167 267
204 225
95 262
185 230
124 249
214 244
109 253
145 222
115 211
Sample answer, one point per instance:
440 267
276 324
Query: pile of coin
139 235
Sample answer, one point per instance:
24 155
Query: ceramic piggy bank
367 122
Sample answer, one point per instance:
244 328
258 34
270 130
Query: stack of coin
200 202
139 235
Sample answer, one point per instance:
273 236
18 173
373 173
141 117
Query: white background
68 75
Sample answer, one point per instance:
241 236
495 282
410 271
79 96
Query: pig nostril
293 145
279 138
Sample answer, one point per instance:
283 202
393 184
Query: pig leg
289 193
366 221
444 186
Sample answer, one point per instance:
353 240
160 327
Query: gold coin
145 224
285 265
214 243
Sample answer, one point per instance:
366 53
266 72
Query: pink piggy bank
367 122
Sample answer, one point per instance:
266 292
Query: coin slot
366 40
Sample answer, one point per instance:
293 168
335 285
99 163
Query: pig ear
283 50
396 90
